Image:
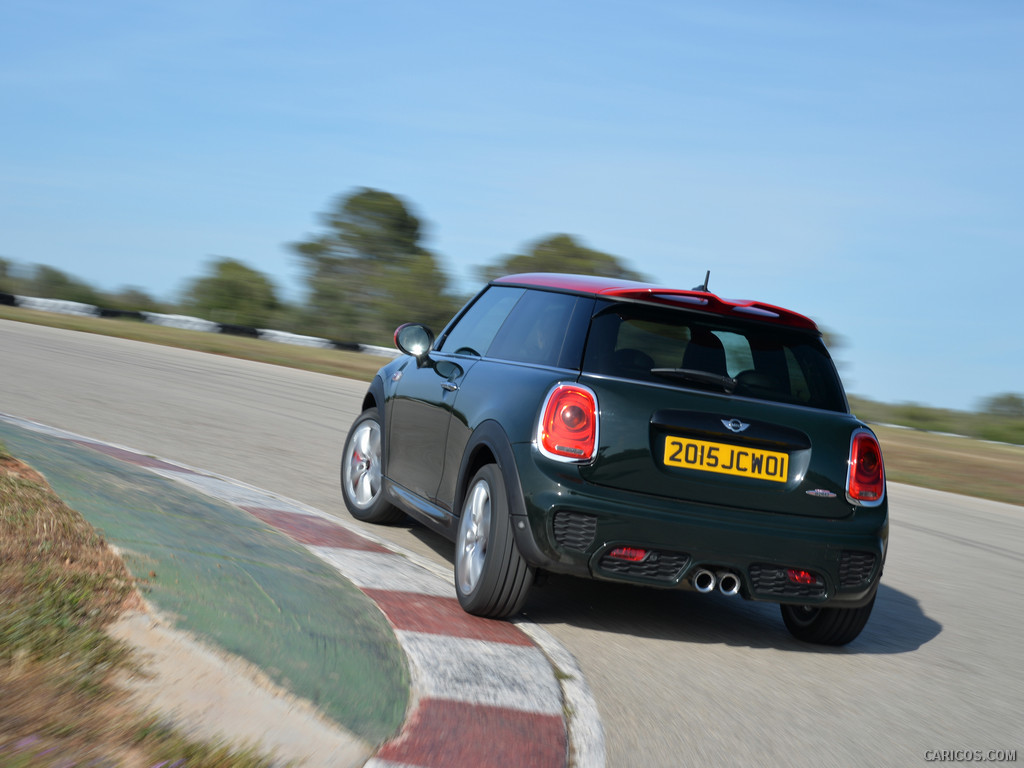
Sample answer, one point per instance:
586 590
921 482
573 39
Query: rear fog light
629 554
798 576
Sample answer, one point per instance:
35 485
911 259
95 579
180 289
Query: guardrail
60 306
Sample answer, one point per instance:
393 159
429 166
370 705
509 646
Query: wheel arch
490 444
369 401
374 398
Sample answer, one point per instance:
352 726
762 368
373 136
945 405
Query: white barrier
382 351
59 306
283 337
189 323
182 321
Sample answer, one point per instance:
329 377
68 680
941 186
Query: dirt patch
215 696
11 467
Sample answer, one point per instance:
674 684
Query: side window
475 330
535 332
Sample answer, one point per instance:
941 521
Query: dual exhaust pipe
704 581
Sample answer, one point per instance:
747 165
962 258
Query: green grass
58 582
984 426
955 464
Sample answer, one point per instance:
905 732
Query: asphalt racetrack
680 679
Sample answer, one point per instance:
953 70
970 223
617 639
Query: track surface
680 679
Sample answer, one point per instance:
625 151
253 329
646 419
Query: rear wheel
825 626
361 477
491 577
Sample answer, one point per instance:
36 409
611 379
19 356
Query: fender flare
490 438
374 398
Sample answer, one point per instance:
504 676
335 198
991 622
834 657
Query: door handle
449 386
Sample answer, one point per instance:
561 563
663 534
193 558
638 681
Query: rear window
684 349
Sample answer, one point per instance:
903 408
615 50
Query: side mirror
414 339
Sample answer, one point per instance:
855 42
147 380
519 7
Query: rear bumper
566 525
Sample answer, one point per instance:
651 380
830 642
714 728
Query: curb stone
482 692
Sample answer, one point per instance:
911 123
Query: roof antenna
704 287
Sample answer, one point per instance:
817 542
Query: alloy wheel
474 529
362 465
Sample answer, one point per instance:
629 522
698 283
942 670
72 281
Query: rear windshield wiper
693 376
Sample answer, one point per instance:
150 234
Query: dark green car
626 432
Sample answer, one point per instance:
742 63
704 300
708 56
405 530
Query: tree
367 272
231 293
373 225
50 283
417 292
1002 418
560 253
1007 406
132 299
8 282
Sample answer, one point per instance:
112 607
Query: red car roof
648 292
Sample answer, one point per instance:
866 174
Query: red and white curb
483 692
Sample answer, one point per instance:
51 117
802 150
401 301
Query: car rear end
722 455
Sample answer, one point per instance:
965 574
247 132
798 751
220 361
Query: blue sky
859 162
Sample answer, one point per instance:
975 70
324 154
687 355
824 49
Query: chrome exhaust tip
704 581
728 583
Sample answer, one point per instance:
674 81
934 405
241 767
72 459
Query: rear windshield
689 350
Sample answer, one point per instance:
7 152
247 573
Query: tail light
865 483
568 424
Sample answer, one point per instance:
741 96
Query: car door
539 343
425 394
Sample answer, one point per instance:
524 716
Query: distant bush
1000 419
923 417
1006 431
1006 405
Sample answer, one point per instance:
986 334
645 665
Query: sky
860 163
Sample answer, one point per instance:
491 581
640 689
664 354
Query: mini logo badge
821 493
734 425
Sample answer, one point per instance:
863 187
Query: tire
361 471
825 626
491 577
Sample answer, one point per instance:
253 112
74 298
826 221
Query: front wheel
361 476
491 577
825 626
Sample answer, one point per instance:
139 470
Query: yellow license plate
726 459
